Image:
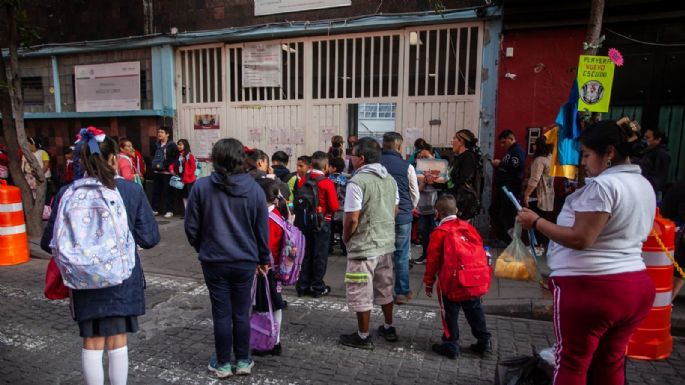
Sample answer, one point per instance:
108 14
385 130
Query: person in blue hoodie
227 223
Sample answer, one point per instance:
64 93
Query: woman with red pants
601 289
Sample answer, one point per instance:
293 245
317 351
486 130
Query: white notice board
108 87
272 7
262 65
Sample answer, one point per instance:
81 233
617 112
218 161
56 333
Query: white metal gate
432 74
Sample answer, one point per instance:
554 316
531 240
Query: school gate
431 74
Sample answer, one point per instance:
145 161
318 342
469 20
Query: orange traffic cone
652 340
14 245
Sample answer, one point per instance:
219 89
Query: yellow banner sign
595 77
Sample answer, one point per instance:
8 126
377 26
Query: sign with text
108 87
272 7
262 65
206 132
595 77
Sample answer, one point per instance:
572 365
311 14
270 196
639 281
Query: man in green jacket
369 233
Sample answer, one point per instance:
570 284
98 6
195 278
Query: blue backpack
292 252
92 243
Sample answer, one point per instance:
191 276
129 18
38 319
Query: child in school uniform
336 167
457 257
273 202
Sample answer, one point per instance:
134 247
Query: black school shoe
353 340
444 351
481 347
389 334
318 294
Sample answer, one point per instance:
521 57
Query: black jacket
655 164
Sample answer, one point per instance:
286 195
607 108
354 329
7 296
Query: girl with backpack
104 315
185 168
274 205
227 223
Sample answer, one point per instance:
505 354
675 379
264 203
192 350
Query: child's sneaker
221 371
420 261
244 367
444 351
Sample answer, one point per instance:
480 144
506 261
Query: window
32 90
377 110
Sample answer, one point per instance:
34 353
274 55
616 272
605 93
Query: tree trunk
594 28
12 103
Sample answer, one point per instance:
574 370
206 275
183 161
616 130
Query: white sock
185 202
363 335
91 365
118 365
278 315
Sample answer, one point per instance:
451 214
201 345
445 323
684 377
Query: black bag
305 204
524 370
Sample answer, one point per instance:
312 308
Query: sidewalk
173 256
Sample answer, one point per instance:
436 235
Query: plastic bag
516 262
524 370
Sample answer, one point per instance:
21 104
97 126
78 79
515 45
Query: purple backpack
264 329
292 252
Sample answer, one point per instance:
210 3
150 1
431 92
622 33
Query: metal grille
443 62
201 73
360 67
292 84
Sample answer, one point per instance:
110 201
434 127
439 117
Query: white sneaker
169 214
155 213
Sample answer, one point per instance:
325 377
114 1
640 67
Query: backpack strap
279 221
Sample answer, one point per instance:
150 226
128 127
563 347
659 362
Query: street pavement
39 341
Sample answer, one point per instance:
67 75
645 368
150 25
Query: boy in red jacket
456 255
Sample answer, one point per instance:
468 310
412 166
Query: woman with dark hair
336 143
227 224
185 168
541 181
601 289
106 315
464 182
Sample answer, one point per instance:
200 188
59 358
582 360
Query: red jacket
275 238
328 197
189 167
457 256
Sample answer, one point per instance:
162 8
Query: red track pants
594 317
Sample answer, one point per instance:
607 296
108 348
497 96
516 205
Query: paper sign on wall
262 65
206 132
595 78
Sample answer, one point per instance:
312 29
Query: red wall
533 98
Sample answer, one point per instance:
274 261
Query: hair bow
92 136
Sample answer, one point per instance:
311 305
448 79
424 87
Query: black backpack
305 203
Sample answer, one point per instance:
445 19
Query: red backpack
465 273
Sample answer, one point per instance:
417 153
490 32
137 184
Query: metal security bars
201 73
359 67
292 71
443 62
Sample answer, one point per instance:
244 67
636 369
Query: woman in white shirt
601 290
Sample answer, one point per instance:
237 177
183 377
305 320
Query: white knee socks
118 365
93 373
91 365
278 315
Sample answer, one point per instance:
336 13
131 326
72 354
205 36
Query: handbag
54 286
176 182
264 328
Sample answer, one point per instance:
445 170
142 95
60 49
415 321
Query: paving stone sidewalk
39 342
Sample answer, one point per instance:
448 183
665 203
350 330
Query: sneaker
353 340
325 292
420 261
168 214
481 347
390 334
221 371
155 213
444 351
244 367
